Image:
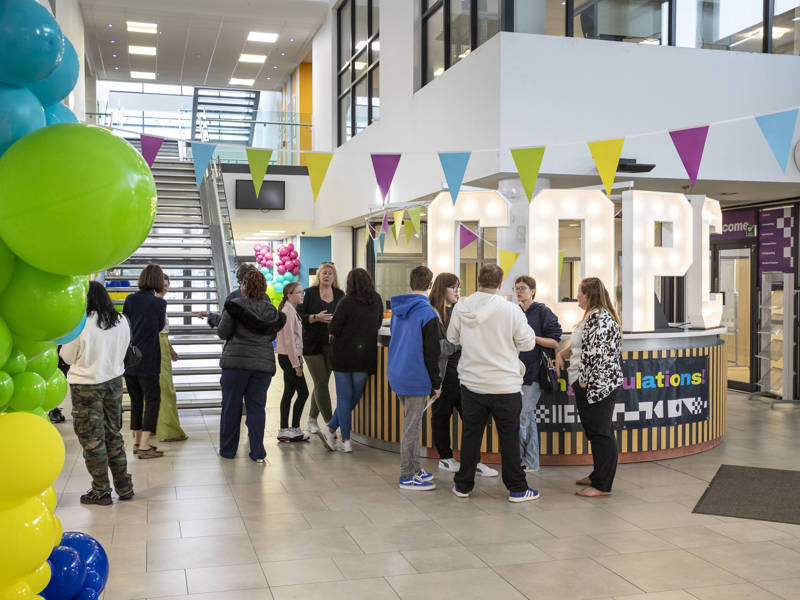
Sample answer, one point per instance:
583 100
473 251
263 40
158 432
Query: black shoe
94 497
127 496
56 416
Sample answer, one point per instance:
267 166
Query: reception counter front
672 403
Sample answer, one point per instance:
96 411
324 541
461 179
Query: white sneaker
485 471
298 435
312 426
449 464
285 435
327 437
346 446
528 469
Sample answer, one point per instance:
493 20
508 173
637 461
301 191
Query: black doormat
753 493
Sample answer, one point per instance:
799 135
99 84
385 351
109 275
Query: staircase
181 243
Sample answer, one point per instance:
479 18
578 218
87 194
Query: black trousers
292 382
475 411
250 386
596 421
145 395
442 412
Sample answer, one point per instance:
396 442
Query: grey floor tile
469 584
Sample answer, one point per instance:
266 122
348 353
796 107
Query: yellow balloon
19 589
32 454
49 498
39 579
28 531
58 529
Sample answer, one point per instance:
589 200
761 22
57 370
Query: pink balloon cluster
264 255
288 260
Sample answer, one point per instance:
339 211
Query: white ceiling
199 41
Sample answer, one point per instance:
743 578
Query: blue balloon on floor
91 552
86 593
59 113
68 574
20 113
31 42
57 86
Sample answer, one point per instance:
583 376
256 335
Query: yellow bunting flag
398 222
561 254
318 163
507 260
413 214
528 161
606 155
409 226
258 160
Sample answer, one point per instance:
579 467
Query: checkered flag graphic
542 414
698 404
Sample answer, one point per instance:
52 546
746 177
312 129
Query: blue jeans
349 387
528 432
250 386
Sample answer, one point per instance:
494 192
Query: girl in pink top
290 358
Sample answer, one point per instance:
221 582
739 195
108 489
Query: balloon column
79 568
279 269
65 185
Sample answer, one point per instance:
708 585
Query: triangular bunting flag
465 237
150 145
778 129
606 155
317 163
413 214
409 227
201 156
369 233
381 240
561 255
398 222
374 249
507 260
384 166
385 224
690 144
258 160
528 161
454 165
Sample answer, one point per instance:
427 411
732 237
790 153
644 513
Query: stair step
172 301
177 225
171 277
196 387
155 243
184 329
195 340
204 236
199 355
195 370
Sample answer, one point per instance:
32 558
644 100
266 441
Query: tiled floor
312 524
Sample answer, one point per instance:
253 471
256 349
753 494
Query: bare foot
584 481
590 492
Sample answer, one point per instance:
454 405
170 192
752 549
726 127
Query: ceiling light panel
142 75
237 81
145 50
260 36
138 27
253 58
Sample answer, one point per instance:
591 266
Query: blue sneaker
459 493
415 483
424 475
529 494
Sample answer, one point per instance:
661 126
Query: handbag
133 356
548 379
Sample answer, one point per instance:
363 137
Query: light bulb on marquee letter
642 260
596 213
705 308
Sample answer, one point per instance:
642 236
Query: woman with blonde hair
290 358
316 312
595 374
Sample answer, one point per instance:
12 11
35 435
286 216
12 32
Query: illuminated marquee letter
488 208
596 213
705 308
642 260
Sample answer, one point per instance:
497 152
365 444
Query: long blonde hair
327 265
597 296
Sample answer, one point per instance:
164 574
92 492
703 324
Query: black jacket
315 335
355 335
147 315
545 323
248 328
213 318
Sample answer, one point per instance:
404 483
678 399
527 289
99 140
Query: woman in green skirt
169 426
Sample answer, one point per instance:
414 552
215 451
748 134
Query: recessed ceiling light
138 27
268 78
113 56
146 50
260 36
142 75
253 58
237 81
291 39
112 41
110 25
275 67
116 68
283 53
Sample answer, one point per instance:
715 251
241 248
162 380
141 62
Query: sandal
584 481
150 452
591 492
136 448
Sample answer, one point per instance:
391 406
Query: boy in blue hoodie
413 370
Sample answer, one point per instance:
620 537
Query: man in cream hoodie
492 332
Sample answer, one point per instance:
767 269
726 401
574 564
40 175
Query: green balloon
40 412
6 343
74 199
6 265
44 364
30 349
6 389
56 390
29 392
16 363
41 306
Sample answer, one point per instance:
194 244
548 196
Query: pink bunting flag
150 147
385 225
466 237
690 144
385 166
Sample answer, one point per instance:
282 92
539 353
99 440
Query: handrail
223 253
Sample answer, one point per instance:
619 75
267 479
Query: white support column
342 251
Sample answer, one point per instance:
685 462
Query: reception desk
673 403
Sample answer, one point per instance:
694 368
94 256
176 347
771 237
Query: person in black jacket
147 315
354 328
316 312
248 325
241 273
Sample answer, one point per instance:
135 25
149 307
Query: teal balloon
6 389
20 113
56 390
74 199
39 306
278 287
16 363
59 113
72 334
6 265
45 364
57 86
31 42
29 392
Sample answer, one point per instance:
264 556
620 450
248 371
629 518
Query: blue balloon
57 86
20 113
94 581
31 42
72 334
68 573
86 593
278 287
59 113
91 552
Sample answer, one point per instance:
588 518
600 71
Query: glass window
719 25
345 119
345 51
539 16
460 30
344 79
433 34
488 19
376 13
786 27
638 21
359 64
362 23
374 52
375 93
362 104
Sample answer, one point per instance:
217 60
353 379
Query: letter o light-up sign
596 213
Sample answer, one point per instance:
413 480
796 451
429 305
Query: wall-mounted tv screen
272 195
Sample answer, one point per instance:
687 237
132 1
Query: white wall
70 19
323 83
